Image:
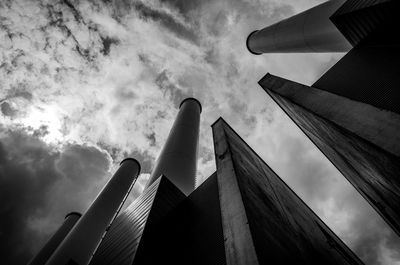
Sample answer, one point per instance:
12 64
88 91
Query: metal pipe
178 158
81 243
47 250
309 31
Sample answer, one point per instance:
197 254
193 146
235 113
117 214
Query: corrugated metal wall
123 239
191 234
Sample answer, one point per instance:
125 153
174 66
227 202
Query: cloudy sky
84 84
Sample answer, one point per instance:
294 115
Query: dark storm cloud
22 192
107 42
39 185
7 110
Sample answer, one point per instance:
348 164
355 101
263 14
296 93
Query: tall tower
352 112
47 250
178 158
81 243
309 31
172 179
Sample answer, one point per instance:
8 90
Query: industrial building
351 113
244 213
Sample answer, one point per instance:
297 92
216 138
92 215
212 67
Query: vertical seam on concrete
238 241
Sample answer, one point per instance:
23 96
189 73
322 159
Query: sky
84 84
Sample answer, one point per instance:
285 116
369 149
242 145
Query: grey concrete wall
239 247
284 229
352 137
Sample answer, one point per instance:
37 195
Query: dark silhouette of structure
242 214
352 112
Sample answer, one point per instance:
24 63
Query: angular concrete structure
362 141
264 221
242 214
352 112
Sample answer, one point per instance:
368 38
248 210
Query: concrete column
47 250
239 245
81 243
309 31
178 158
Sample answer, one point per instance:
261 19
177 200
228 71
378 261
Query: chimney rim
190 98
247 43
73 213
131 159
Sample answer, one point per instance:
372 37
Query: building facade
242 214
352 112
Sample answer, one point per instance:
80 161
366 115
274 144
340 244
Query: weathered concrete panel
373 171
239 248
283 228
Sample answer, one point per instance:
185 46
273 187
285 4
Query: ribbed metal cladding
190 234
284 229
356 19
121 243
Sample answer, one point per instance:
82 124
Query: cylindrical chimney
47 250
309 31
81 243
178 158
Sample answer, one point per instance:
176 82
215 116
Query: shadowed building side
190 234
360 140
369 73
121 243
47 250
178 158
272 225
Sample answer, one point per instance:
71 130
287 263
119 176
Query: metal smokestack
178 158
81 243
309 31
47 250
